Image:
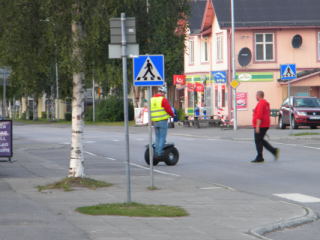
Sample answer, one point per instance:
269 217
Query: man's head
259 95
162 90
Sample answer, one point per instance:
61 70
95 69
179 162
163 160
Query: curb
309 217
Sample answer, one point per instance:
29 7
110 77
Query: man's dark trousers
260 143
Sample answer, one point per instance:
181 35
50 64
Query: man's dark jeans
260 143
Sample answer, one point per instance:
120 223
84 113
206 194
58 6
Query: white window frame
219 49
264 43
318 46
191 51
204 50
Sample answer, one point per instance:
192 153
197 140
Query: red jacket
262 112
166 105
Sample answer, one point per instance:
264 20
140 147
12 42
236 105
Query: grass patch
153 188
67 184
133 210
304 134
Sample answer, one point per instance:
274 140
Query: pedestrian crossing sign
148 70
288 71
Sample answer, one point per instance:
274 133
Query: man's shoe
258 160
276 154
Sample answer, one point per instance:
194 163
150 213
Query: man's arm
167 107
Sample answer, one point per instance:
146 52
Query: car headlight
302 113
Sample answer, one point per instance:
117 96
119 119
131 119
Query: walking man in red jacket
261 124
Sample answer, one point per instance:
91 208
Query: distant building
268 33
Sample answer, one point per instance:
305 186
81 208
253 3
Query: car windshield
306 102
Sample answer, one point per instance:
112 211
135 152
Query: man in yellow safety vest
161 111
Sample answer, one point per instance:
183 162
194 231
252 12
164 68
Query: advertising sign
219 76
242 100
179 79
6 138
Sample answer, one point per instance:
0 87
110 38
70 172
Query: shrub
68 116
110 110
43 115
181 114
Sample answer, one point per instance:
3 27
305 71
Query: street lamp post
235 122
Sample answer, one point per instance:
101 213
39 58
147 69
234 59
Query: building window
219 48
264 46
204 50
318 45
223 97
191 52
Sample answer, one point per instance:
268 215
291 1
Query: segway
170 155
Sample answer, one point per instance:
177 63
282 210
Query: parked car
304 111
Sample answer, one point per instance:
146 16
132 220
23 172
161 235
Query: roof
196 15
269 13
303 75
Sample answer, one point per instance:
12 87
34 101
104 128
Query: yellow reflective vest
158 113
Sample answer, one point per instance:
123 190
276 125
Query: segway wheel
146 158
171 156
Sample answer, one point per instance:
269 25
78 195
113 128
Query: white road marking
140 139
312 147
111 159
115 140
90 141
297 197
210 188
212 139
66 143
157 171
90 153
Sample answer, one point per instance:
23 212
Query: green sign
255 77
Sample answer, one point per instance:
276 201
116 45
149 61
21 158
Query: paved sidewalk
216 212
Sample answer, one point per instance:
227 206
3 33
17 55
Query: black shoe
276 154
258 160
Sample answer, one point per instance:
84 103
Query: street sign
234 84
115 30
148 70
288 71
6 139
132 50
219 76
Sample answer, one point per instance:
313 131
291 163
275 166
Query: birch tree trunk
76 168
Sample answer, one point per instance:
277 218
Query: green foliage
109 110
36 34
68 116
181 114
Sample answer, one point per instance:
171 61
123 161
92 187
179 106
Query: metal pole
125 99
57 91
235 122
93 99
290 114
150 137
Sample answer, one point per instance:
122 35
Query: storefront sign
255 77
179 79
219 76
199 87
6 138
191 87
242 100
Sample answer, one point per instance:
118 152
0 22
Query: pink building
268 34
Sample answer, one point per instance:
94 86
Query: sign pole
93 99
125 101
290 114
235 122
150 137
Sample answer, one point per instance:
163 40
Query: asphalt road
210 158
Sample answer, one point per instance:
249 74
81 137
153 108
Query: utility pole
235 122
57 87
4 105
93 99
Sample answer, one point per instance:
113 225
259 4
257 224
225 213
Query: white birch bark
76 168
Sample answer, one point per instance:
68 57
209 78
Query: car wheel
294 124
281 124
313 127
147 159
